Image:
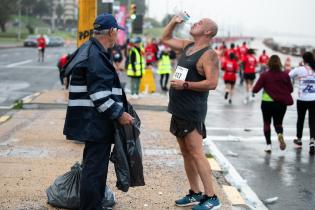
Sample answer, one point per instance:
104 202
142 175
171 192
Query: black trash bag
127 154
65 191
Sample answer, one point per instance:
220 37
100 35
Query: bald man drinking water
196 74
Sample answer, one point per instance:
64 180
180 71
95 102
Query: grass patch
209 155
18 104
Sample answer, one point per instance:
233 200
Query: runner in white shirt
306 98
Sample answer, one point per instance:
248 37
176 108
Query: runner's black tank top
188 104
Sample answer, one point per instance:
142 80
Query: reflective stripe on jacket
96 98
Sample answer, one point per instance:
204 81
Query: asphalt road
237 130
21 74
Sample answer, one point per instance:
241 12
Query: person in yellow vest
164 68
136 66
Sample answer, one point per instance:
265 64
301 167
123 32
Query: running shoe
281 141
226 95
268 148
190 199
208 203
312 147
297 143
230 101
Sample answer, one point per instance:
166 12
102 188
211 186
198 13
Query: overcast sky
247 17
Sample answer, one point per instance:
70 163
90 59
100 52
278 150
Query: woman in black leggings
306 99
277 89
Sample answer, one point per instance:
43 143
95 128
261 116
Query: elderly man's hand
125 119
177 84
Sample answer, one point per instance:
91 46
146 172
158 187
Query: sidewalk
33 152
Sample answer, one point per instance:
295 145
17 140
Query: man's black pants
94 175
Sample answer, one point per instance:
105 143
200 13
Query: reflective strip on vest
106 105
139 65
77 89
164 66
81 102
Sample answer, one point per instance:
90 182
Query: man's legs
193 143
190 166
94 175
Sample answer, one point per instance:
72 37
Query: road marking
18 63
231 138
4 118
248 129
214 164
36 67
233 177
234 196
31 67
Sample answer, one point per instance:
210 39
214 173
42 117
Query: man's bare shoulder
210 54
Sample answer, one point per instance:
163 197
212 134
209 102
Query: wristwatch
185 85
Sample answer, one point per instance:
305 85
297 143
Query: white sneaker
268 148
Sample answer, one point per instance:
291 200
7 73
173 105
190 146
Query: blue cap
105 21
136 40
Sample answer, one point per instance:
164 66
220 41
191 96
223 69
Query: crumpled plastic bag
65 191
127 154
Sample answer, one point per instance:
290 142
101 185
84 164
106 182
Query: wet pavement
21 74
237 130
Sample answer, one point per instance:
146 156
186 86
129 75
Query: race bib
180 73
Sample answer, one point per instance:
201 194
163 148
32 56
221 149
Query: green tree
7 8
28 7
42 8
154 22
59 11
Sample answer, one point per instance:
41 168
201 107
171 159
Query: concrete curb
239 189
30 98
4 118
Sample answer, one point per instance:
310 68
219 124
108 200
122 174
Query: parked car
56 41
31 40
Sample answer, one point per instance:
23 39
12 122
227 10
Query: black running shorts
180 127
250 76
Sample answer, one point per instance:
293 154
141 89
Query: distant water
295 40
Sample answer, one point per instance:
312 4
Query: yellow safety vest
139 65
164 66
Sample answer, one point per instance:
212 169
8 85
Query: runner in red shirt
150 53
41 45
250 64
242 51
263 60
233 50
230 68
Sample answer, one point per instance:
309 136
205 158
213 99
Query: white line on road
234 177
247 129
18 63
232 138
31 67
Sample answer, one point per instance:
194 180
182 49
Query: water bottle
184 27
